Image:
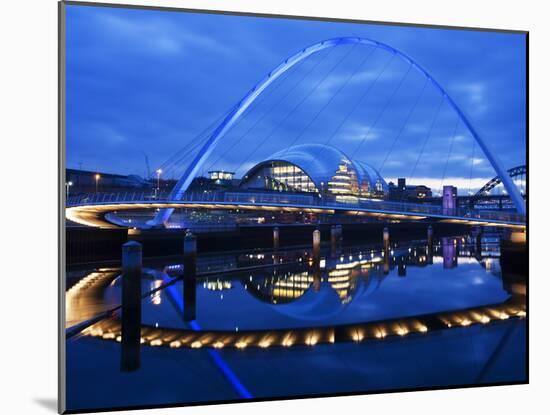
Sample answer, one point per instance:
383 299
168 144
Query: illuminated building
316 168
220 175
449 198
405 192
83 181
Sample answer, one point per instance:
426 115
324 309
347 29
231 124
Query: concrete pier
316 277
386 239
430 245
386 262
189 277
316 251
316 258
335 240
514 259
131 306
386 251
478 242
276 238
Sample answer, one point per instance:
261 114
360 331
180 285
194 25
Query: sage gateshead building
319 169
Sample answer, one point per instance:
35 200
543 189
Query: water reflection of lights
343 277
109 329
156 298
85 299
217 285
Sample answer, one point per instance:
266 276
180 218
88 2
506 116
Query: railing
304 201
95 198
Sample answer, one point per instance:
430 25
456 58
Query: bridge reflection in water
344 298
413 299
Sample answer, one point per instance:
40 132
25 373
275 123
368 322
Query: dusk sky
143 82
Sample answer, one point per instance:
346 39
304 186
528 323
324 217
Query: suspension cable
176 159
361 98
394 92
183 152
402 129
330 99
287 116
471 166
266 113
449 155
340 88
427 138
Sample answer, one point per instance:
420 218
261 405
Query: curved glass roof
371 173
321 162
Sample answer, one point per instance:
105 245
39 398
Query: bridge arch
220 131
495 181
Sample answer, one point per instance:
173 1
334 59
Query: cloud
475 96
151 80
156 35
360 132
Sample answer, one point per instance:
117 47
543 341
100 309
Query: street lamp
67 186
159 172
97 177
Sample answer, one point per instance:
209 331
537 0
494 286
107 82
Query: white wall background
28 175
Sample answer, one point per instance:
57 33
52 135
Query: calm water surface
359 284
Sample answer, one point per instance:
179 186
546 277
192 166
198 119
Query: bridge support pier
430 245
189 277
276 245
276 238
478 241
513 258
316 257
386 239
335 240
316 251
131 306
386 252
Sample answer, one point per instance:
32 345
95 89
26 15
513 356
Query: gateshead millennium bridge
103 210
309 178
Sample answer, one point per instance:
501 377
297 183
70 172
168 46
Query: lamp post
159 172
97 177
67 187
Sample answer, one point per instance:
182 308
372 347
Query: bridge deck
100 210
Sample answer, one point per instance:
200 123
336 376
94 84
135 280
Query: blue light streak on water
218 360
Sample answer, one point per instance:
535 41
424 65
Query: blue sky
148 82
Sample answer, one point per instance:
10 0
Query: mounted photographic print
258 207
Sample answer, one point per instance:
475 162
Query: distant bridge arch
495 181
220 131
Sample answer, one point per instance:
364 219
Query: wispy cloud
153 80
157 35
474 93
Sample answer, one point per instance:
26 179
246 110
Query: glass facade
316 168
279 176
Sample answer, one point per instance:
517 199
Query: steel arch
495 181
189 174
